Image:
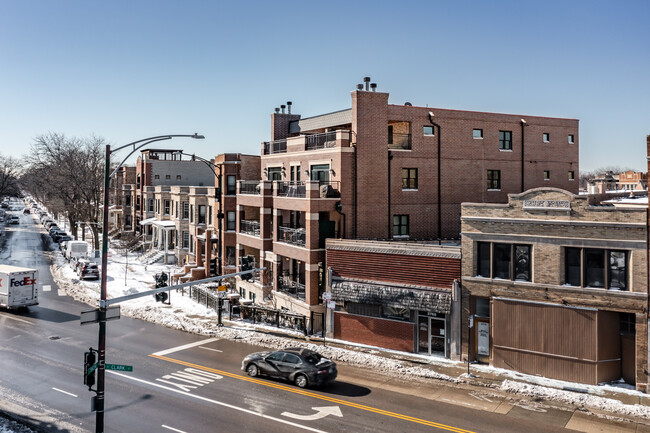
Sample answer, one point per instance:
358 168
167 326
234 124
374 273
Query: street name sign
92 316
119 367
92 368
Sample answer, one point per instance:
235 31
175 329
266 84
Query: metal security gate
317 324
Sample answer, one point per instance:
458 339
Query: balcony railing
320 141
399 141
250 227
291 287
291 189
277 146
292 236
250 187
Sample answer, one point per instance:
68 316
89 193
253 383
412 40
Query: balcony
320 141
250 227
292 236
291 287
277 146
252 187
399 141
291 189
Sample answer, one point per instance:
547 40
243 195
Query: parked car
13 219
51 224
61 236
76 250
88 270
78 263
303 367
63 244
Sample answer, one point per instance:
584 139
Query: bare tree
10 169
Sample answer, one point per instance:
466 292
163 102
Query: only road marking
321 412
185 346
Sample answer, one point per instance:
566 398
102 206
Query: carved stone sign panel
561 205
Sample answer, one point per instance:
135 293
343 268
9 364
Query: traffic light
246 263
89 363
213 266
161 281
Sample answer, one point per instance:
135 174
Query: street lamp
217 196
101 345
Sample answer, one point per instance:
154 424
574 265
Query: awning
164 224
148 221
434 300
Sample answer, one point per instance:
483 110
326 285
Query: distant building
633 181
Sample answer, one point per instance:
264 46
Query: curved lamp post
101 345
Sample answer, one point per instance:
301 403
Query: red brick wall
388 334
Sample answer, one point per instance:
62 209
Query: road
193 384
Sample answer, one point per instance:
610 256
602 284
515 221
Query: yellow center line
314 395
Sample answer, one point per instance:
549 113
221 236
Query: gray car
303 367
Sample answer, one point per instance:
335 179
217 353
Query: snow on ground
127 275
10 426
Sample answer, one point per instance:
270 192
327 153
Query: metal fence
320 141
277 146
292 236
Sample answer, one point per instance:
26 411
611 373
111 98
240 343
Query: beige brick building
557 287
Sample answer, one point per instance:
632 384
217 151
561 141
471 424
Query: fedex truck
18 287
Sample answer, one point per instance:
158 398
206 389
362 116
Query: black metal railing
320 141
292 236
277 146
329 188
291 189
250 187
288 285
250 227
271 316
399 141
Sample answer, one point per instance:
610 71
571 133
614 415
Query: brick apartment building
383 171
557 287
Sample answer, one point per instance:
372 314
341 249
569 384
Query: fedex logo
27 281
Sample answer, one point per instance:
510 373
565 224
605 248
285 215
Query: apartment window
127 200
547 175
295 173
230 256
150 208
572 175
231 184
546 137
494 179
156 176
477 133
252 296
400 225
571 139
202 213
320 172
503 261
274 173
210 215
231 222
137 202
427 130
505 140
598 268
409 178
191 213
186 240
191 244
186 210
178 177
177 210
137 181
167 206
167 176
242 293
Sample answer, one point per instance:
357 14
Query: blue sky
125 70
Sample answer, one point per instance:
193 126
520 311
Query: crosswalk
48 288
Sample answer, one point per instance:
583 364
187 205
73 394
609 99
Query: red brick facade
389 334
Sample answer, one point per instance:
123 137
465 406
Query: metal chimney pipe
373 86
359 86
277 110
288 107
366 80
282 107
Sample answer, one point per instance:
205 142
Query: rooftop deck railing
276 146
320 141
252 187
292 236
250 227
399 141
291 189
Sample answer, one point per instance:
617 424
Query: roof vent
366 80
408 104
373 86
359 86
277 110
282 107
288 107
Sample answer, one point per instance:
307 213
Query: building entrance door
431 335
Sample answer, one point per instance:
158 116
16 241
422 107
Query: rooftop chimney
282 107
288 107
367 81
277 110
373 86
359 86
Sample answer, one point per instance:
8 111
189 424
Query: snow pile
577 399
10 426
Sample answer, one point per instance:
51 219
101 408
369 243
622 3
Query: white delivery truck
18 287
76 250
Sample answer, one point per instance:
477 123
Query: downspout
354 198
390 225
431 116
523 136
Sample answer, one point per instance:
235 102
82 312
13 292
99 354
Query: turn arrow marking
321 412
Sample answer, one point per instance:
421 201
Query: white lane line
172 428
47 288
186 346
218 403
65 392
208 348
16 318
